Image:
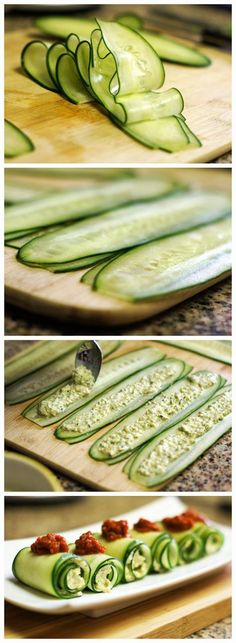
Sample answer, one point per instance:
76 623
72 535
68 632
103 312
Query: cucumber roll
105 571
164 548
62 574
194 537
133 553
213 539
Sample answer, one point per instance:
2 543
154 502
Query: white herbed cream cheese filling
81 385
183 438
103 583
74 579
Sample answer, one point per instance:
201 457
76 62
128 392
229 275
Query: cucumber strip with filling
105 571
60 575
164 549
190 545
171 265
50 375
219 350
121 399
16 142
37 355
167 48
69 81
213 538
134 554
125 227
164 410
112 372
69 205
172 451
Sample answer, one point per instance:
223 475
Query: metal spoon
90 356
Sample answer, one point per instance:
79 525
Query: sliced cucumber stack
16 142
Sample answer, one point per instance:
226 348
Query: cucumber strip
112 372
52 55
38 355
150 107
18 235
121 399
167 48
72 42
219 350
89 276
16 142
18 242
169 265
105 571
183 443
60 207
69 81
190 546
15 192
50 375
60 575
167 134
125 227
131 20
133 553
162 412
164 549
213 539
34 64
68 266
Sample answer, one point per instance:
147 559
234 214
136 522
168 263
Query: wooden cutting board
73 460
66 133
174 615
63 296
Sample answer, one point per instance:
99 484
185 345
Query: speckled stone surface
220 630
208 313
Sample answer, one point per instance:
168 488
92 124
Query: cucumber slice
52 374
105 572
16 142
15 192
69 81
36 356
89 276
133 553
34 64
52 55
170 265
162 412
20 241
168 134
72 42
74 204
213 539
131 20
112 372
125 227
183 443
68 266
164 549
167 48
120 399
60 575
219 350
25 474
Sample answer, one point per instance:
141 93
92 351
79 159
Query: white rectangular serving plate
95 604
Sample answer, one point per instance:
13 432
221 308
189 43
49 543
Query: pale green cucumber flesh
16 142
69 82
40 354
33 61
219 350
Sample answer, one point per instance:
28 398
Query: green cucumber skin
218 353
137 359
94 453
185 460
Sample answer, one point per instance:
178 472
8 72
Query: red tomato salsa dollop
114 529
49 544
183 521
144 525
88 544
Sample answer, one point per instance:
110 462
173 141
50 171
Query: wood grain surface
63 296
66 133
174 615
73 460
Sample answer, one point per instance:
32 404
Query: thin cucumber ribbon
213 538
133 553
194 543
164 549
121 70
60 575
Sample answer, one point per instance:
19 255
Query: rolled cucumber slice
164 549
16 142
219 350
167 48
60 575
172 451
170 265
213 539
105 571
156 416
125 227
133 553
112 372
74 204
52 374
34 357
121 399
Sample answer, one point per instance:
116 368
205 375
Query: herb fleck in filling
183 438
81 385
